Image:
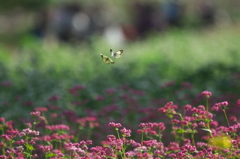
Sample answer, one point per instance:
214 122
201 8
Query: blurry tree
31 5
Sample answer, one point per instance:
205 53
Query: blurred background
172 49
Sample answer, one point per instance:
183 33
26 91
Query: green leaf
27 154
180 131
170 116
29 147
50 155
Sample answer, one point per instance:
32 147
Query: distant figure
172 12
143 17
40 26
62 23
207 12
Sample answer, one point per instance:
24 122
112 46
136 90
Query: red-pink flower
238 102
116 125
57 127
207 94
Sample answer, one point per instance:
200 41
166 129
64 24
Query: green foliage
39 69
23 4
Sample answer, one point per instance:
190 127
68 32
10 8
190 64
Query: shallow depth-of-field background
71 80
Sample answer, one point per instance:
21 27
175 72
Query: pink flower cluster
57 127
182 132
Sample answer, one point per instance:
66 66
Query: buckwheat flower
173 146
80 151
214 123
233 119
222 129
163 110
110 91
54 98
207 94
172 155
238 102
130 154
9 124
115 125
111 138
187 141
6 83
58 153
175 121
99 98
141 149
32 142
200 153
36 113
57 127
181 154
160 125
41 109
201 144
3 157
2 119
21 134
234 142
45 148
202 124
35 133
89 142
142 125
22 141
149 143
232 129
19 148
184 122
194 125
215 108
195 110
187 107
7 137
159 153
201 107
126 132
29 125
221 104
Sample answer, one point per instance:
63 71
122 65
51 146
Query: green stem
193 141
123 151
142 138
207 104
117 133
208 126
225 114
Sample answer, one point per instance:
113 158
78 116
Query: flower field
164 131
175 95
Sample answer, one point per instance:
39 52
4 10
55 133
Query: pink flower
57 127
41 109
207 94
54 98
214 123
126 132
36 113
116 125
2 119
187 107
233 119
238 102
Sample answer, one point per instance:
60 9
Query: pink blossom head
238 103
206 94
